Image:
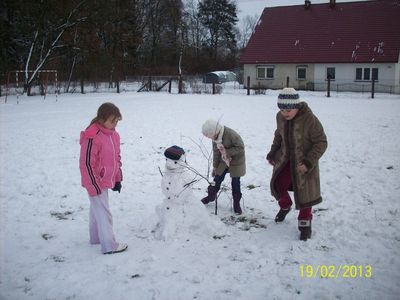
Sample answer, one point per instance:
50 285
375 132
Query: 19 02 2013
333 271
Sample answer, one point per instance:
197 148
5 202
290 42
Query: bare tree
45 40
245 30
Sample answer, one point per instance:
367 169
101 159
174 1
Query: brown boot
281 215
305 229
236 203
212 195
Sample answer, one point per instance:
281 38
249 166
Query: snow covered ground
45 252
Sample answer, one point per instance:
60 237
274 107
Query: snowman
180 214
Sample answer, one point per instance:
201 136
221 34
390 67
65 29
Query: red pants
283 183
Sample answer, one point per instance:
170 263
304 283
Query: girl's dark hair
105 111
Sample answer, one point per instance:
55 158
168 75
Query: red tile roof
357 32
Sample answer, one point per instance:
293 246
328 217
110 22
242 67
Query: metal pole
45 86
82 86
56 79
7 86
373 89
16 88
329 86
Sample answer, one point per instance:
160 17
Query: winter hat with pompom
211 127
288 99
174 152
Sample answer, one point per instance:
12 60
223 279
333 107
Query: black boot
281 215
305 229
212 195
236 203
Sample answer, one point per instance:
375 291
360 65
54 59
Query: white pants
101 223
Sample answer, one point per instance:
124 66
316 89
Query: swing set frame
43 78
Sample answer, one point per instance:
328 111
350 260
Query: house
351 42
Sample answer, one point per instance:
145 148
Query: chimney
307 4
332 3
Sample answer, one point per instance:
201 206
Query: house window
330 73
366 74
374 73
301 73
358 73
261 73
270 73
265 72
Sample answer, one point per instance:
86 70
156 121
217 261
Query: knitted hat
288 99
211 127
174 152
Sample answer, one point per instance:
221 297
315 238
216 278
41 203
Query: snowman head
175 158
172 164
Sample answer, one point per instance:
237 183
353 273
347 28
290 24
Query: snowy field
45 253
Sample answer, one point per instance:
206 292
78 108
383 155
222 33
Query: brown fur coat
301 139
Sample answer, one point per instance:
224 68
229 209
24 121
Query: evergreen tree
220 18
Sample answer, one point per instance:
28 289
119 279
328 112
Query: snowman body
181 214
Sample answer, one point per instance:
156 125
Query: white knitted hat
288 99
211 127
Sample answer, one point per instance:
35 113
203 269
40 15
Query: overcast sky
255 7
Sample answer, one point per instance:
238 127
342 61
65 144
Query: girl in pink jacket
100 166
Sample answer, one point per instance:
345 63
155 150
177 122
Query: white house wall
345 74
345 77
397 75
281 72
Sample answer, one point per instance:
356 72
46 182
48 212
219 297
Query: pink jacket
100 160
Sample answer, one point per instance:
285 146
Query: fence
172 84
358 87
329 85
188 84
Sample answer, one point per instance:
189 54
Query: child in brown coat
299 142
